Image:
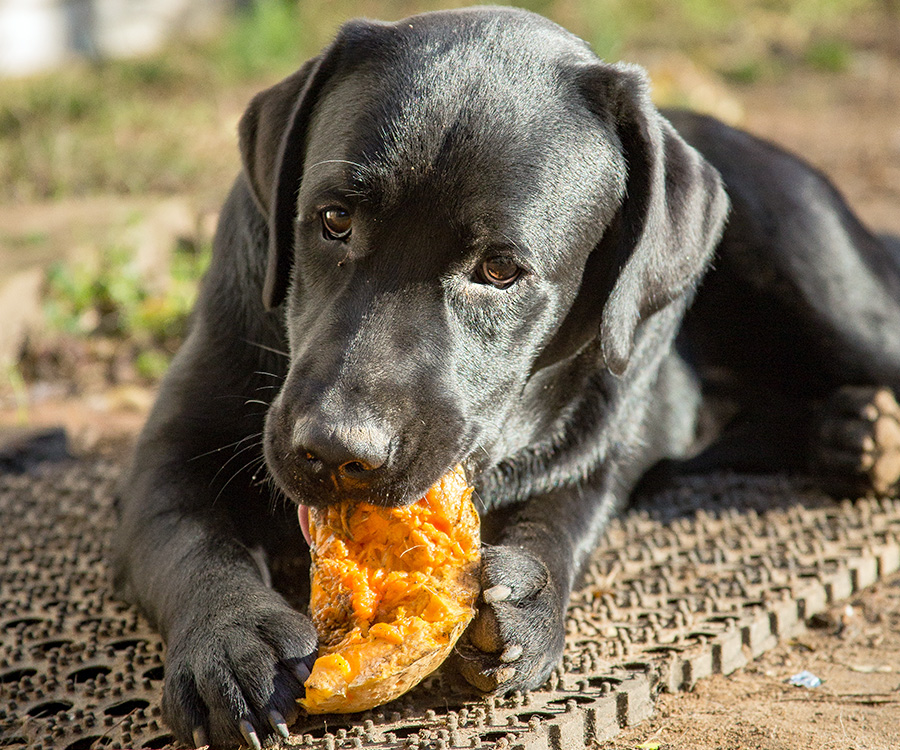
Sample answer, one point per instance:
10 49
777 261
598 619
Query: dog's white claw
505 674
279 724
511 653
249 734
499 593
199 737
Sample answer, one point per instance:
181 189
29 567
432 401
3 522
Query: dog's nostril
313 460
322 448
354 467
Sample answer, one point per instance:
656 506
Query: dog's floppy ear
272 135
671 215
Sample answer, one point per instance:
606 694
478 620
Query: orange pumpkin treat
392 591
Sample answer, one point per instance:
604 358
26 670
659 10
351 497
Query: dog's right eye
336 223
499 271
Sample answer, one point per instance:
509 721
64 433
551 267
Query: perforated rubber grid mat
708 575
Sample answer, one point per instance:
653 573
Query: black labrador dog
463 239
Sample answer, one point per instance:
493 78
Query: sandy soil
856 654
848 126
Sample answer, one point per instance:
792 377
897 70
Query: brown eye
336 223
500 270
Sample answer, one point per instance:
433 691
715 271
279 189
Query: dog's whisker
267 348
256 401
479 501
336 161
255 478
233 477
510 241
226 447
257 444
361 197
277 496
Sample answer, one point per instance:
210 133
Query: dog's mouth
303 510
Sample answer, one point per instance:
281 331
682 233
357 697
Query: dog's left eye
336 223
500 271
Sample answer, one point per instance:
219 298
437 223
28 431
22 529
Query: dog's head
455 203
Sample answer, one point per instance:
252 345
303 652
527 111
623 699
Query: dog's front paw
517 637
233 678
857 445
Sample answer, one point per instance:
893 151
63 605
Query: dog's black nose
346 451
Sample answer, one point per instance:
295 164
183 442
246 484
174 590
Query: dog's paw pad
858 441
517 636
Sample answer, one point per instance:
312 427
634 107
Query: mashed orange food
392 591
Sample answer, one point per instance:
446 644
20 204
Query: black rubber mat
708 575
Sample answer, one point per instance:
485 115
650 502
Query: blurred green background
165 124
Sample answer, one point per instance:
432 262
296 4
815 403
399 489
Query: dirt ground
855 651
847 125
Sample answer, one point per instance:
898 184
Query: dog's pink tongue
303 515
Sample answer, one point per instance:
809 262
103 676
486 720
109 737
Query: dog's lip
303 517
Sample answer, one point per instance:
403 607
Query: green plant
830 55
112 299
16 385
265 37
151 364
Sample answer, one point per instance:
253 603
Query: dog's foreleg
518 635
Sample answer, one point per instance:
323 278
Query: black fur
319 369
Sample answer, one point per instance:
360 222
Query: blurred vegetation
112 298
166 124
105 314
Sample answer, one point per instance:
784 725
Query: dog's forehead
480 104
473 85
